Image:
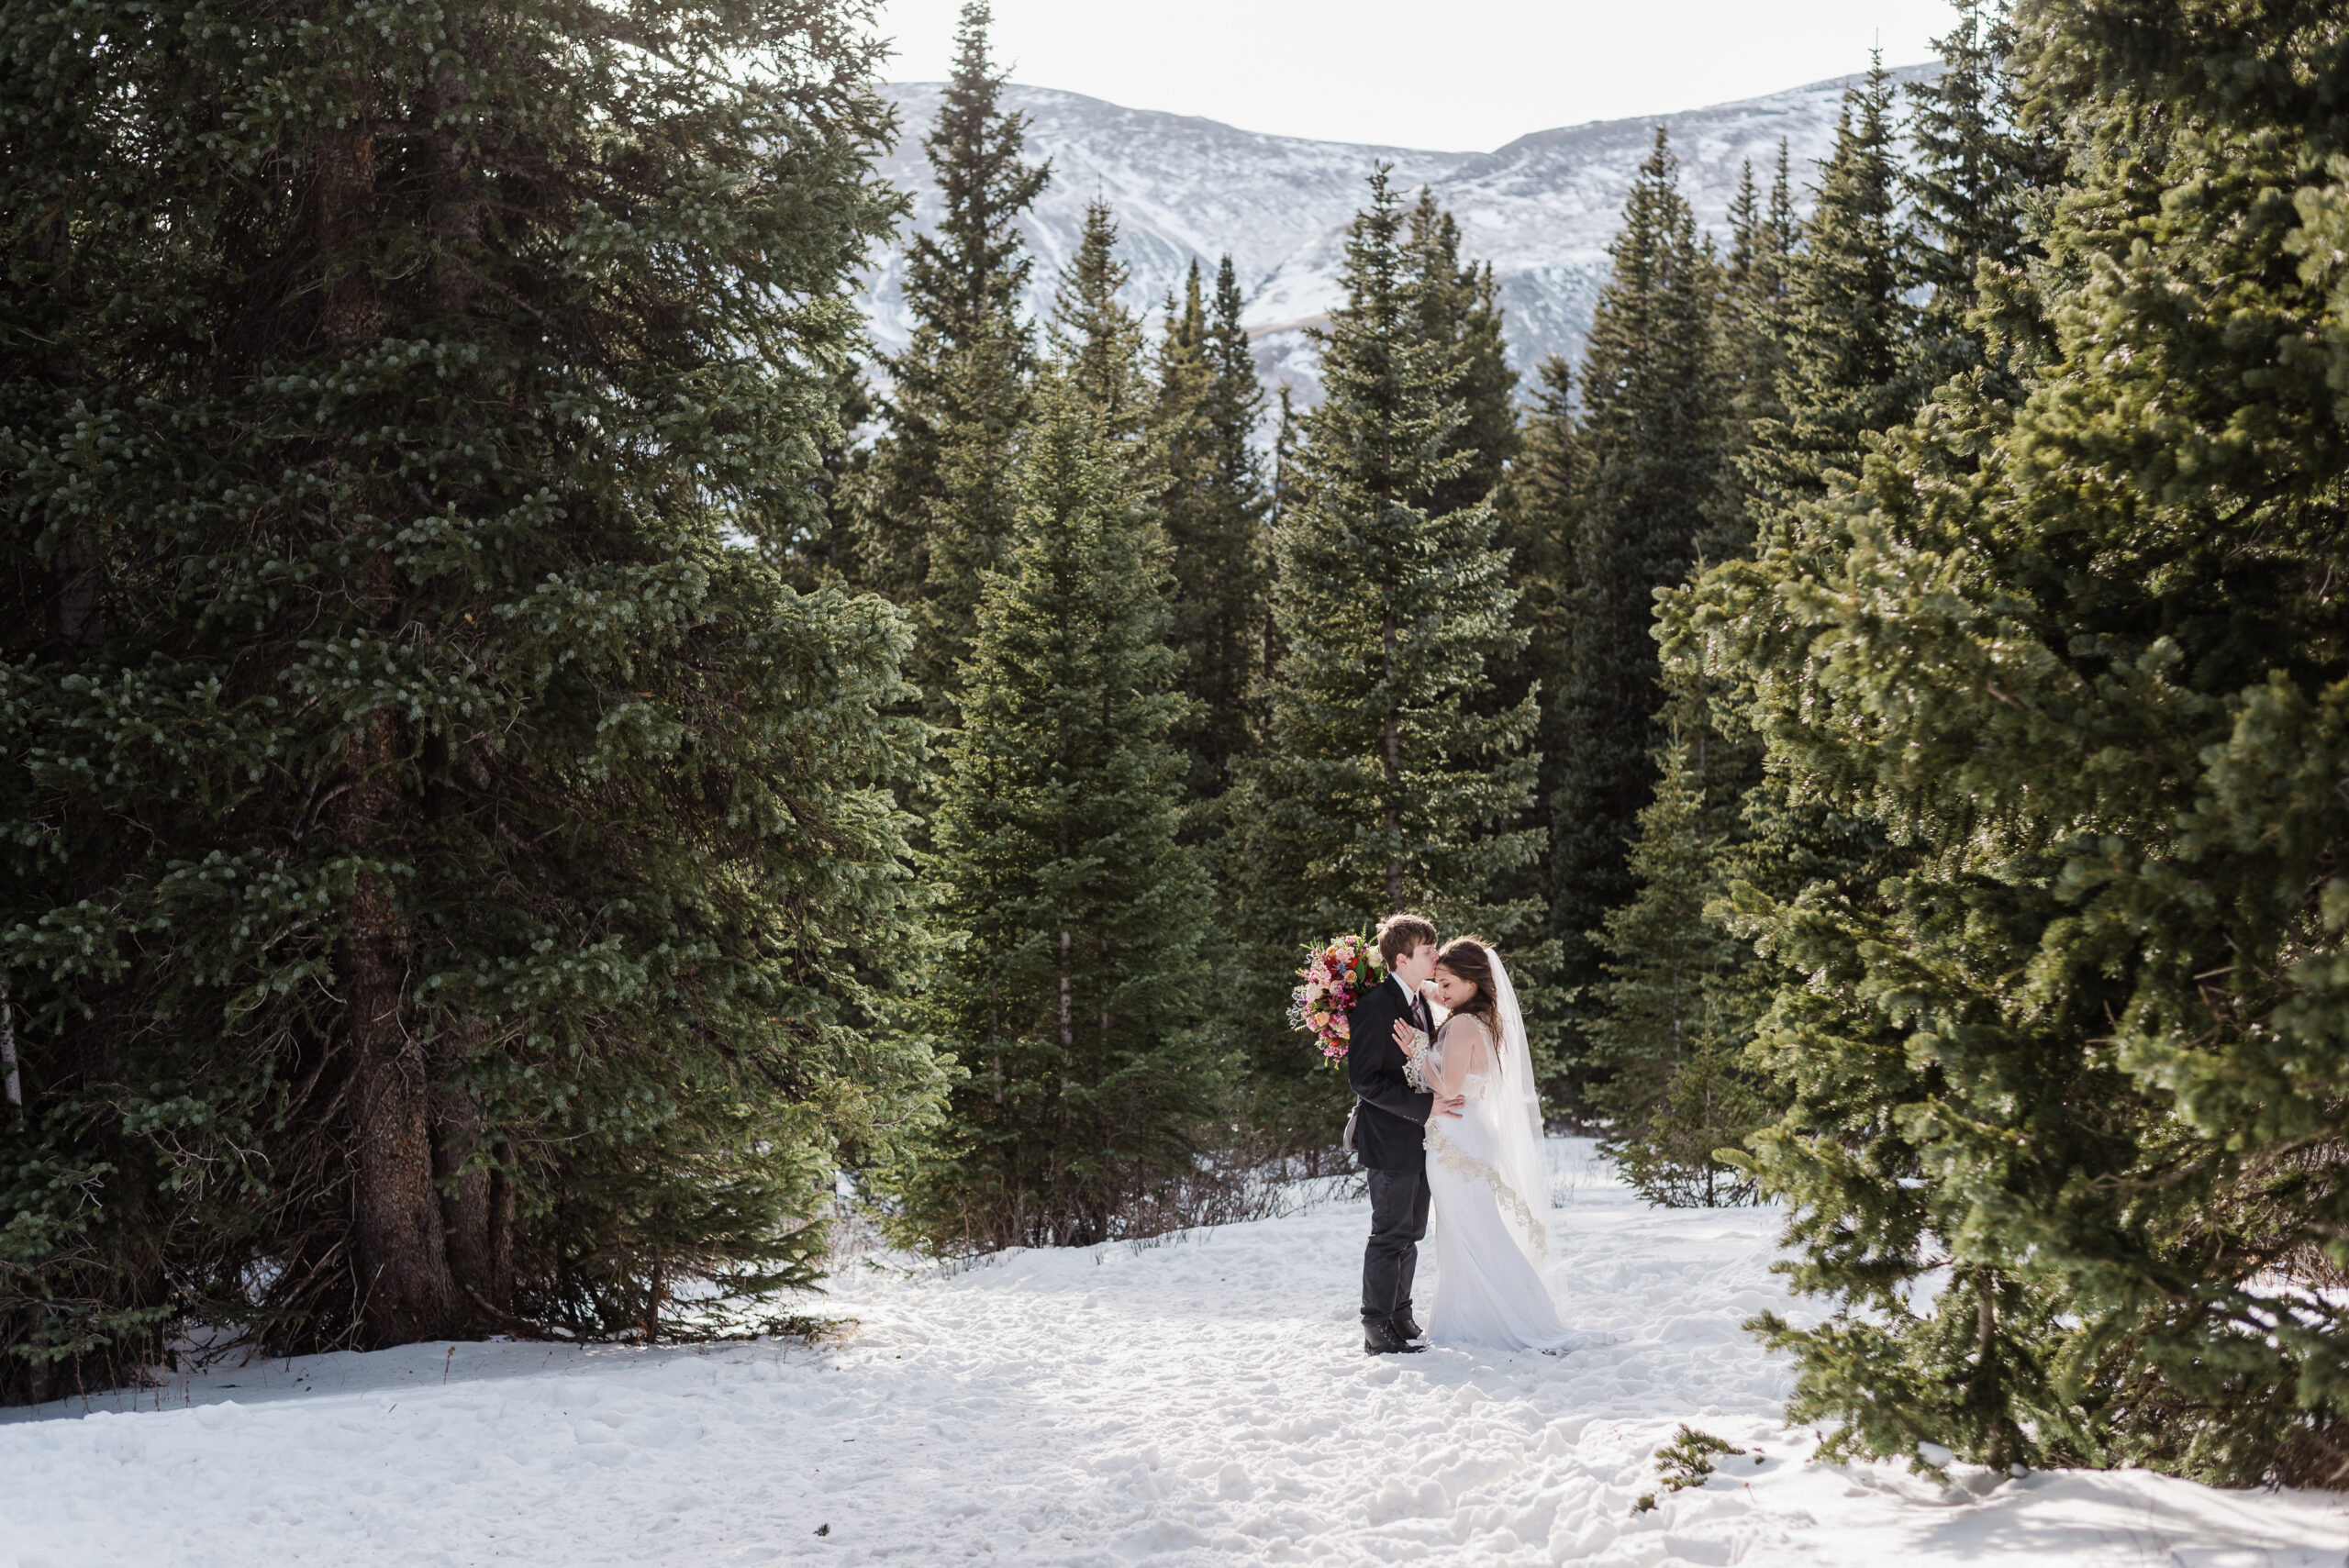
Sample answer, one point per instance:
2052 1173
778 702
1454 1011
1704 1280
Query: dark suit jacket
1388 1133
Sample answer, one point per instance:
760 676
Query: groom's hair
1402 935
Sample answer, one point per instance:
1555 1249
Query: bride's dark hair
1471 961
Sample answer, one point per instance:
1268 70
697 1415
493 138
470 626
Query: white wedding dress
1489 1183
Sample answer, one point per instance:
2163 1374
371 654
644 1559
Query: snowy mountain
1540 209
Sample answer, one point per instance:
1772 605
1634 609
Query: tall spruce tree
1096 336
445 886
1840 326
1975 173
1763 239
935 503
1535 519
1382 789
1461 315
2083 1052
1074 996
1674 1016
1460 312
1647 465
1845 322
1215 504
1670 1028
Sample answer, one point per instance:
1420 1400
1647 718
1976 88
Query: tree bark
409 1293
406 1291
499 1290
344 195
459 1133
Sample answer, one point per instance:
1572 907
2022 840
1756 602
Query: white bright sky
1447 75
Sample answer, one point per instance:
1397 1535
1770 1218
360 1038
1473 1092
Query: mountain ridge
1542 207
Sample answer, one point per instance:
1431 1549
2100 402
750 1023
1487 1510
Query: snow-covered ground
1202 1401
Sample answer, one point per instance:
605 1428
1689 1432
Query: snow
1542 209
1204 1400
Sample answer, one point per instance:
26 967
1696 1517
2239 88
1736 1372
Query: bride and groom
1448 1118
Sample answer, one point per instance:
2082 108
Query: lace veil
1522 1156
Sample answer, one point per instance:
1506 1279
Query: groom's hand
1451 1104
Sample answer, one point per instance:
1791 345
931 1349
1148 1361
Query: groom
1389 1135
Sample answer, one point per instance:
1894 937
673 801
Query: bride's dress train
1491 1201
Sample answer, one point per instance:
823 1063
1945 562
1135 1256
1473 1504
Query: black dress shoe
1405 1327
1379 1339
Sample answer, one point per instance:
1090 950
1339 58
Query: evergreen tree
930 521
1752 332
1801 871
2082 1052
1846 323
1460 311
1076 992
447 883
1459 314
1209 405
1681 1004
1648 453
1970 185
1673 1086
1097 341
1382 789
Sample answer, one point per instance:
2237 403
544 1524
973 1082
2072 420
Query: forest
543 782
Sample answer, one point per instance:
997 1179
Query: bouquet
1333 977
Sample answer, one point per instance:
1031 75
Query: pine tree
1535 511
1672 1084
2082 1052
450 881
1840 329
1647 470
1380 788
1975 173
1752 332
1097 341
1209 405
1672 1021
1803 872
929 521
1846 323
1074 996
1460 313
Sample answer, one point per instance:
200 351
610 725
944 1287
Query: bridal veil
1522 1159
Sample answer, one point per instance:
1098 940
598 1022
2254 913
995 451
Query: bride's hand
1406 1037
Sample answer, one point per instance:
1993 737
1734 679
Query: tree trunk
502 1202
459 1134
406 1291
345 197
1984 1391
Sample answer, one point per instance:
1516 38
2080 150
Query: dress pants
1399 1219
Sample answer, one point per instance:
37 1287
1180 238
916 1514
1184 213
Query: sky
1447 75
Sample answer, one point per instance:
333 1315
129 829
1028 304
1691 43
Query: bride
1487 1173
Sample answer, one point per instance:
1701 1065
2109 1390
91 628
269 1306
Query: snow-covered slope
1199 1403
1540 209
